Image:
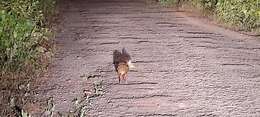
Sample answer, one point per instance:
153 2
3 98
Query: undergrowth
240 14
244 14
25 33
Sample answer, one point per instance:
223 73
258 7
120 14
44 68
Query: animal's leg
124 76
119 78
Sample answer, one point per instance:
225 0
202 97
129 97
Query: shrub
24 33
169 2
208 5
244 14
22 30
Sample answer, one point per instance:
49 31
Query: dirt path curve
184 67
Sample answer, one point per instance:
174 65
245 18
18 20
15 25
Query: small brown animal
122 63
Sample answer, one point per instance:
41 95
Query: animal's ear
116 55
124 52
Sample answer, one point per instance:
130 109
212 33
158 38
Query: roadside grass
25 50
243 16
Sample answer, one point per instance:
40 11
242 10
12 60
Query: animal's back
122 68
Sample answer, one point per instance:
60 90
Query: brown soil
184 66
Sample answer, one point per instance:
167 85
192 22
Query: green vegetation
23 32
24 47
242 14
169 2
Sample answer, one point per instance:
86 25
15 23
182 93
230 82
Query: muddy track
185 67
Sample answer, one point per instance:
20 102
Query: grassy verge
241 15
25 49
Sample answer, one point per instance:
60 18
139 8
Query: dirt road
184 66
